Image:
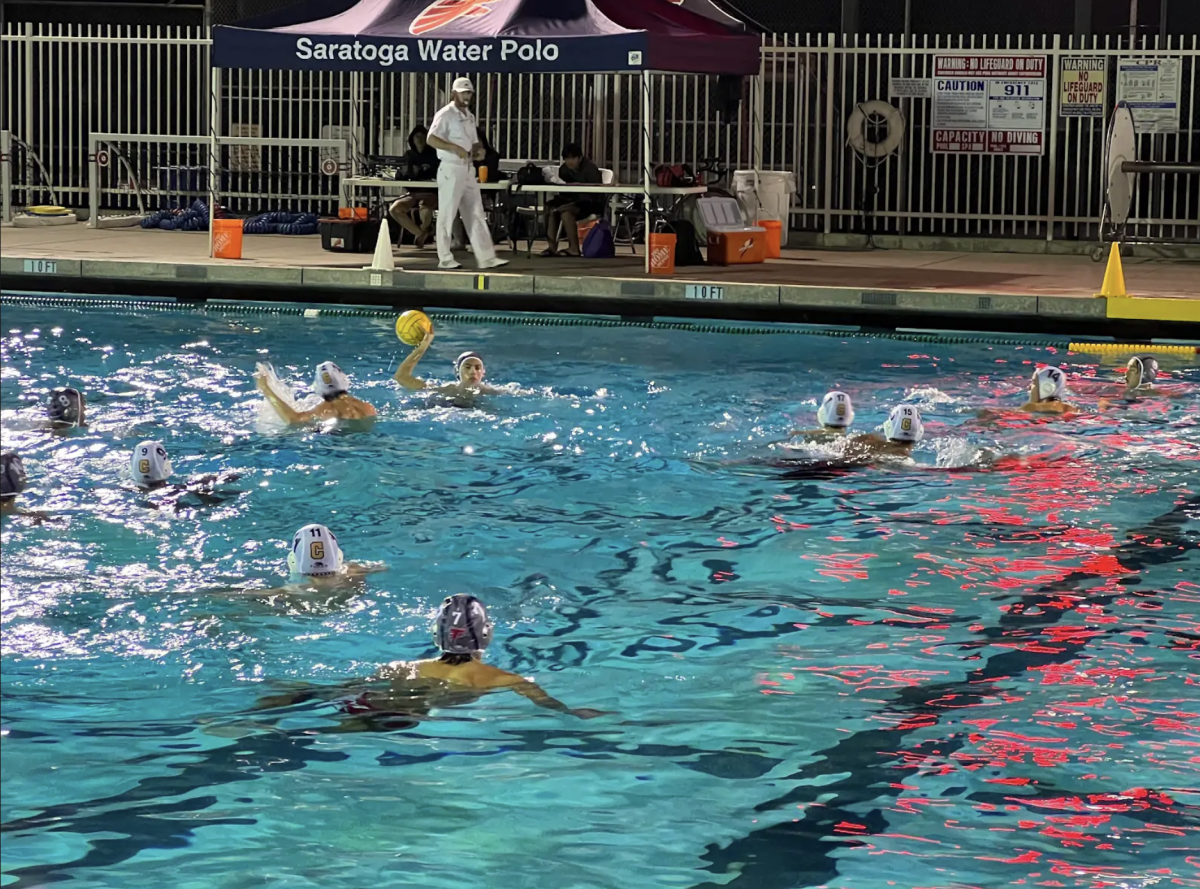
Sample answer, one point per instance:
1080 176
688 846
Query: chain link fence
226 12
148 14
927 16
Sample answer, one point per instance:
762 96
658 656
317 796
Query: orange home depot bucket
774 236
662 254
227 238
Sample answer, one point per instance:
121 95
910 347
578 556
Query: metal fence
62 83
811 86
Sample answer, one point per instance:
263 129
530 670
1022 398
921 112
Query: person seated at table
570 208
422 164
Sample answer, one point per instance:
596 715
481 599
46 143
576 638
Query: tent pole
757 134
646 161
355 90
214 152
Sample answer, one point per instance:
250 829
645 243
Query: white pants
458 192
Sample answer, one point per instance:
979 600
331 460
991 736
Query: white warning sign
989 104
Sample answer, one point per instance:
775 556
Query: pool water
910 675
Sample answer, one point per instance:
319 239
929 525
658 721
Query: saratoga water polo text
388 54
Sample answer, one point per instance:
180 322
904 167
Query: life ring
857 124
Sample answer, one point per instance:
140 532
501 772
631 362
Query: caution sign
1084 81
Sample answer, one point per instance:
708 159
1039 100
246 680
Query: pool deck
884 288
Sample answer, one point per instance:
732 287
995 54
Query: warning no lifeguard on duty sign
1082 81
989 104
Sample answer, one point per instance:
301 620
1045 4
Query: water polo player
405 691
835 415
331 386
469 371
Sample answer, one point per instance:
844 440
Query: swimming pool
912 675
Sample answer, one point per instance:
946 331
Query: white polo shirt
455 125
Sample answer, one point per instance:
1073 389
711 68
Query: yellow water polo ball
412 326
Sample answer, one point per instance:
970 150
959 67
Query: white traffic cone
383 261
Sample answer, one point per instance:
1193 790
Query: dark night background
1182 17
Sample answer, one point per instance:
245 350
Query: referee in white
454 136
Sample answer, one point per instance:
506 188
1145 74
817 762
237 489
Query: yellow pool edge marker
1114 275
1122 348
1154 308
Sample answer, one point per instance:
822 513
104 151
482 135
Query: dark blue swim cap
12 475
66 406
462 625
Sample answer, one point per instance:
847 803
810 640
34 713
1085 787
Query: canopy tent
311 10
718 12
470 36
489 36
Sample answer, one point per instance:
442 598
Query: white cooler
766 194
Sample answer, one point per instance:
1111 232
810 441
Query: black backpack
687 248
530 174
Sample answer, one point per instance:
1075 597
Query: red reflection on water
783 524
1046 546
845 567
872 676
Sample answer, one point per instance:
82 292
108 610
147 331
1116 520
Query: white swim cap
462 625
150 464
904 424
1050 382
330 380
1141 371
315 552
836 410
